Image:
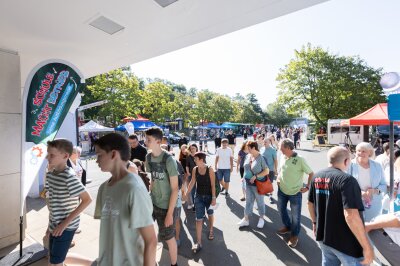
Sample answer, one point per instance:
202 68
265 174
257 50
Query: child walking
64 191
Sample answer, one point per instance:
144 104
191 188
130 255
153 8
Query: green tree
182 107
121 89
157 102
328 86
202 106
221 109
278 115
253 101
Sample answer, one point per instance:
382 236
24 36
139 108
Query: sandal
211 235
196 248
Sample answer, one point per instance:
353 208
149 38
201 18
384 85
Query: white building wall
10 143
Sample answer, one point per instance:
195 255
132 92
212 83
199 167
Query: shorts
59 246
164 233
224 174
178 212
202 203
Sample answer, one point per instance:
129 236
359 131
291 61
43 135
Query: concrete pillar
10 143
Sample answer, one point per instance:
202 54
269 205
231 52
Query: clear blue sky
248 60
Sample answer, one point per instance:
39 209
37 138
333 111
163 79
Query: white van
337 133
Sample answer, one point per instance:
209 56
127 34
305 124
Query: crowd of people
150 184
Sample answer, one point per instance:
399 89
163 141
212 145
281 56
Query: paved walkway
231 246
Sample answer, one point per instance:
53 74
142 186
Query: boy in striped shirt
64 191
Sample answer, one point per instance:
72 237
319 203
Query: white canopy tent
92 126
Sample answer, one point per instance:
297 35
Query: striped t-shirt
63 197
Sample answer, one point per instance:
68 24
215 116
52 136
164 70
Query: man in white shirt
384 232
224 165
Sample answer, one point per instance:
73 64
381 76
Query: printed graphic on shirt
158 172
321 185
109 210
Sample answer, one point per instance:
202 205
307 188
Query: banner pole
21 225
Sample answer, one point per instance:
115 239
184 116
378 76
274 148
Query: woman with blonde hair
371 179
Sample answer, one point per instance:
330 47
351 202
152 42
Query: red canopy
128 119
141 118
376 116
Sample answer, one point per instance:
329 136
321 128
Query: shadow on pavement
278 244
214 252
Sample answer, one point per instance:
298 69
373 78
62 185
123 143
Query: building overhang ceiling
48 29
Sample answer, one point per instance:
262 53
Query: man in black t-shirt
182 141
217 141
137 151
231 140
336 207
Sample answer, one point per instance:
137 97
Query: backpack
181 173
217 185
163 165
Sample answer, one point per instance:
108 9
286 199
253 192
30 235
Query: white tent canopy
92 126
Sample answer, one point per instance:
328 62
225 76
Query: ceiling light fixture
165 3
107 25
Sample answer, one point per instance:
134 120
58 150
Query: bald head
338 155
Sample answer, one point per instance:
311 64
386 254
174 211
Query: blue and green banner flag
51 93
48 97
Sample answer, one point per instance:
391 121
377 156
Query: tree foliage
121 89
277 115
328 86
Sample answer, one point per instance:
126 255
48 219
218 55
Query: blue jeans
202 204
59 246
293 222
224 174
333 257
251 195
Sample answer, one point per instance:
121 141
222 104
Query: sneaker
260 223
196 248
189 207
243 223
293 241
283 231
222 189
227 195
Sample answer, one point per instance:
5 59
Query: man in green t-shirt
164 189
292 168
127 234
